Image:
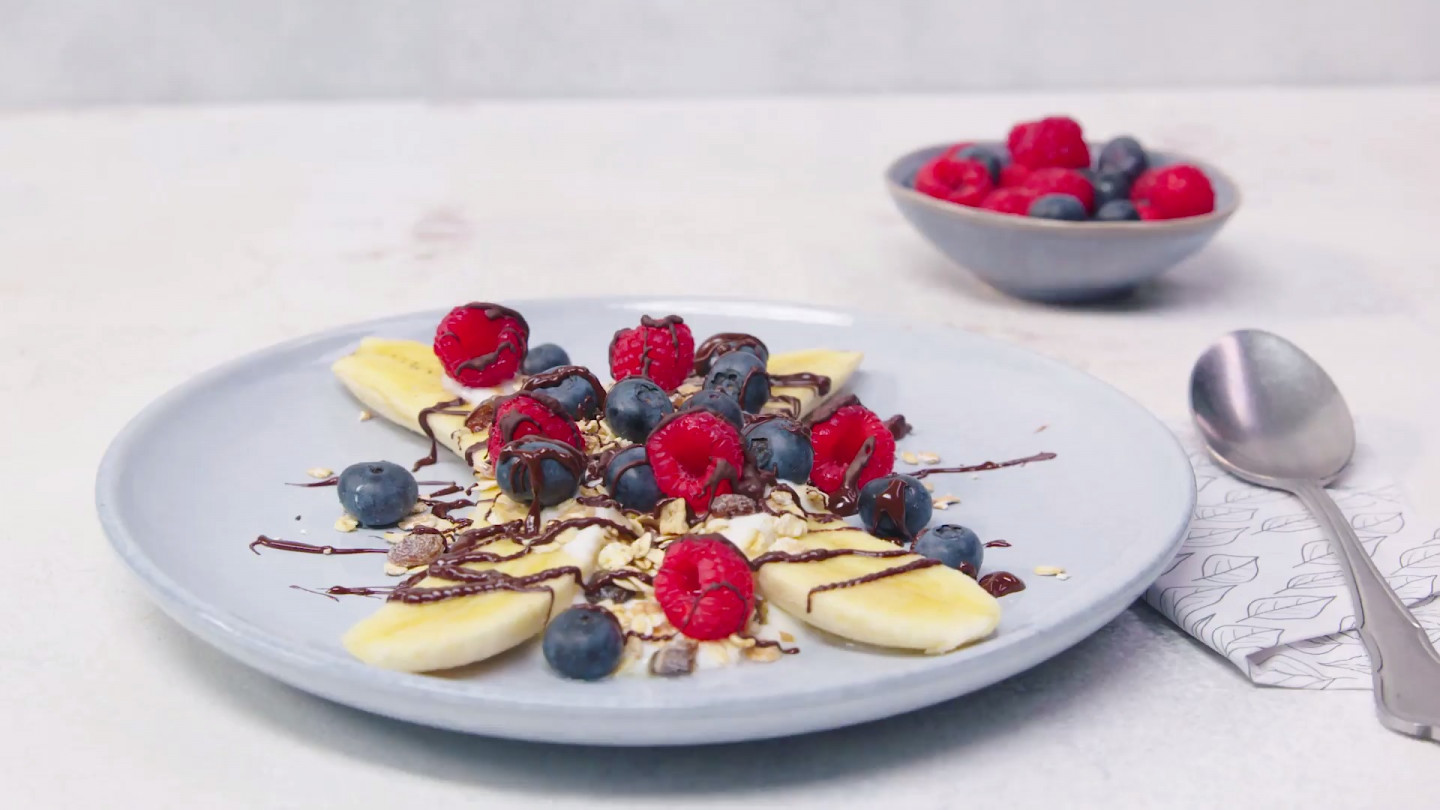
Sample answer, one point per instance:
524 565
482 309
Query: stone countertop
141 246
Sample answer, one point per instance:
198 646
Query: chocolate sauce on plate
898 427
306 548
989 465
998 544
328 482
1000 583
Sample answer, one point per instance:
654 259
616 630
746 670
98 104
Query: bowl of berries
1048 216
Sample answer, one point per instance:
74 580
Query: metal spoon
1271 416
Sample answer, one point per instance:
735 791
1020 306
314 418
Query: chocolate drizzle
845 500
424 418
890 503
328 482
557 375
343 590
898 427
306 548
828 409
765 642
803 379
724 343
818 554
914 565
1001 583
529 459
469 582
998 544
989 465
442 509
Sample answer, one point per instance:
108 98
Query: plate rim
257 648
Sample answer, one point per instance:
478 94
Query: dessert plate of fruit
635 521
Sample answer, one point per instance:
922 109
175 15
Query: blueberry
895 496
584 643
782 446
377 493
1110 186
985 155
1058 206
543 358
574 395
955 546
1123 155
717 402
635 488
1117 211
557 483
634 407
741 370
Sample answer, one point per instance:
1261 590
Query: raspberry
1048 143
1062 181
1009 201
1013 175
481 345
526 414
705 587
838 440
695 455
1173 192
661 349
965 182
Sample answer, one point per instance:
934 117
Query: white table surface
141 246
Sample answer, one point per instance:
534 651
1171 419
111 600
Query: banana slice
466 629
933 610
398 379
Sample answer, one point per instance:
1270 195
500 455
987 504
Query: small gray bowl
1050 260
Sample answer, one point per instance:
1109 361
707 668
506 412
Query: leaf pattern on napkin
1286 670
1275 602
1302 522
1329 579
1228 569
1287 608
1242 639
1182 601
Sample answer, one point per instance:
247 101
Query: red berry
1173 192
839 439
1009 201
1049 143
965 182
1147 213
661 349
1062 181
1013 175
526 414
705 587
695 455
481 345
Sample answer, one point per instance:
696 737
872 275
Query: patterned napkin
1256 581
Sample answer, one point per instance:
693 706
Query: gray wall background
61 52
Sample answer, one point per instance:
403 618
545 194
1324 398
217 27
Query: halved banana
466 629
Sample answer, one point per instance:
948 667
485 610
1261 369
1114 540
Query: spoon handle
1406 666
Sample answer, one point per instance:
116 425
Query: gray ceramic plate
200 473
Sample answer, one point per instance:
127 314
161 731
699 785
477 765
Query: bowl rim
982 216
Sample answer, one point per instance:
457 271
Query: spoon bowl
1269 412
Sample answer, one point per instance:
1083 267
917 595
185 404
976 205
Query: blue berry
742 376
1110 186
558 482
955 546
1117 211
377 493
634 407
782 446
635 488
543 358
895 506
1058 206
717 402
986 155
1123 155
584 643
575 395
